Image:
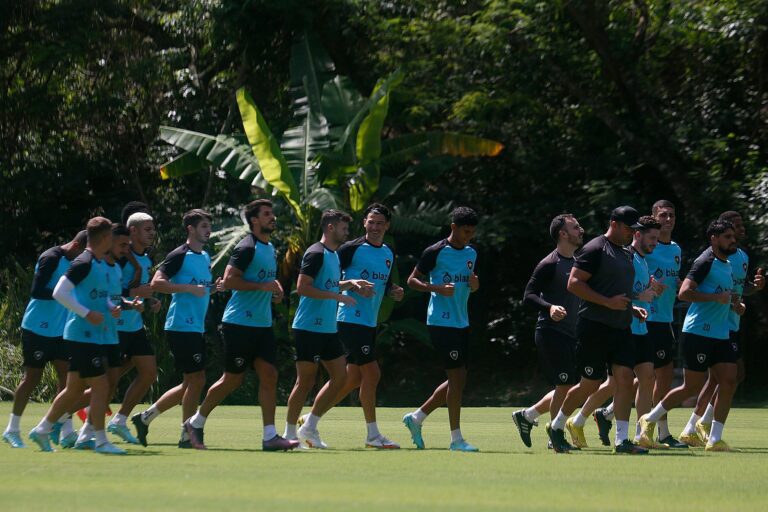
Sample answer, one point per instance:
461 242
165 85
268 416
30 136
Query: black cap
627 216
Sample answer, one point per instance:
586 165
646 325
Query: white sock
622 431
579 419
150 414
269 432
657 413
198 420
63 418
373 430
311 422
637 431
119 419
690 427
290 431
101 437
716 433
419 416
14 424
531 414
664 429
608 412
86 432
709 414
66 426
559 422
44 427
456 435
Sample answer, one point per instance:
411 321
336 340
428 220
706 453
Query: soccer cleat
646 431
69 440
671 442
462 446
310 438
13 439
109 449
382 443
719 446
557 439
577 434
603 426
629 448
89 444
185 444
141 429
692 440
415 430
122 432
703 429
196 436
56 432
523 426
279 443
41 440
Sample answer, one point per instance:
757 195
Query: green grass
234 474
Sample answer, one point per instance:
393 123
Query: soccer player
446 271
186 275
366 258
706 344
84 290
247 327
602 276
41 332
699 425
547 291
314 327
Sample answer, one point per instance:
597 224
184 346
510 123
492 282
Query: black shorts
359 341
188 349
452 345
701 352
735 337
314 347
38 350
244 344
557 356
135 343
601 346
644 349
663 337
114 355
87 359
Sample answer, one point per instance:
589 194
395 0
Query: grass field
234 474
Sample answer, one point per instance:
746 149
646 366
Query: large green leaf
185 163
267 150
310 67
340 102
323 199
408 147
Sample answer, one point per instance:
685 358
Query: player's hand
198 290
639 313
722 297
759 280
144 291
137 304
557 313
114 312
277 291
474 282
738 307
396 292
658 287
219 286
363 288
446 290
647 295
618 302
95 317
347 299
154 304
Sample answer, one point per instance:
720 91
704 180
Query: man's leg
141 421
146 375
644 397
693 381
306 375
726 375
61 404
337 374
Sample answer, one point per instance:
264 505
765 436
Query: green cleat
462 446
415 430
13 439
69 440
56 432
42 440
122 432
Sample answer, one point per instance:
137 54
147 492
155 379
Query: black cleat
523 427
141 429
569 447
196 436
185 443
672 442
629 448
603 426
557 438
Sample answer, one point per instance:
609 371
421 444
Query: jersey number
446 315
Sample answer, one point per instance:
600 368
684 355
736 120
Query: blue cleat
56 432
415 430
42 440
462 446
89 444
122 432
13 439
109 449
69 440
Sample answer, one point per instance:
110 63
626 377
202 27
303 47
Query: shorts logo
677 260
388 263
239 361
744 266
563 377
661 354
96 362
454 355
317 359
197 357
366 349
735 347
589 370
38 355
701 358
470 264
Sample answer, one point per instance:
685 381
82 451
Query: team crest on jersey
38 355
262 274
563 377
454 354
701 358
388 263
447 278
239 361
718 289
197 357
94 294
96 362
589 370
366 349
470 264
661 354
365 274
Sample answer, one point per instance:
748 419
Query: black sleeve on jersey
46 266
80 268
701 267
428 258
588 259
392 267
347 251
173 262
243 254
312 262
540 279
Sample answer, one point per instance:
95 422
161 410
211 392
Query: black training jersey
549 285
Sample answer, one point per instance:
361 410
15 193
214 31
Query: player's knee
194 380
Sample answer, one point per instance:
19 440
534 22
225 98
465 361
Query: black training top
549 285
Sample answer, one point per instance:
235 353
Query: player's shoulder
248 242
55 252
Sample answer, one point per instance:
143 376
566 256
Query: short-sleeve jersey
185 266
549 282
319 315
256 260
664 265
445 264
711 275
612 274
739 266
130 320
44 315
361 259
115 289
640 284
91 281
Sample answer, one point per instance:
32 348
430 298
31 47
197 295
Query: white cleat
310 438
382 443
